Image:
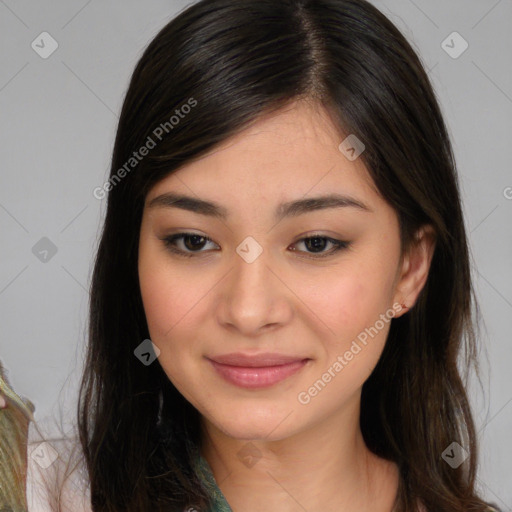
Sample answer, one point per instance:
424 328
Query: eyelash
170 241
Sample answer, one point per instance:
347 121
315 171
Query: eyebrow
288 209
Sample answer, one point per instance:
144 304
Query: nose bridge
251 292
251 264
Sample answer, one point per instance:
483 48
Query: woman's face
272 280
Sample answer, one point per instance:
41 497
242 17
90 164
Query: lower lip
261 377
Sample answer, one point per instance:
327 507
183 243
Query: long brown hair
231 61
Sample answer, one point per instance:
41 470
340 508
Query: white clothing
47 464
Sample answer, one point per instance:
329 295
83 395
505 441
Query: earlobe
415 268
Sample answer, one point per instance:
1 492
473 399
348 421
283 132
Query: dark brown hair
236 60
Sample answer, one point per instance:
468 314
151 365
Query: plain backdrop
59 114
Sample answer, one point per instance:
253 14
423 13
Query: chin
257 422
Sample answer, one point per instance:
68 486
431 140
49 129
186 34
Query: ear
415 267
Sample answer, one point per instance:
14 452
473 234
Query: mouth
256 371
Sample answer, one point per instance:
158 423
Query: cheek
161 306
174 305
167 310
349 298
165 295
350 303
170 296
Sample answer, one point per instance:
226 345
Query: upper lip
256 360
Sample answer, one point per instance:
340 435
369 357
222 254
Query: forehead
288 154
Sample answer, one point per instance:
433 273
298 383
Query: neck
327 467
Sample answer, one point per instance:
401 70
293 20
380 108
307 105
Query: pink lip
257 371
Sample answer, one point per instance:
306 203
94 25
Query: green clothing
203 470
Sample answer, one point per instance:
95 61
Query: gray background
59 117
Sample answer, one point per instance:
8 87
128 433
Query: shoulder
56 477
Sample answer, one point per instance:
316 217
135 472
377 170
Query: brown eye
186 244
315 245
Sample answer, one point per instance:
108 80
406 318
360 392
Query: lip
256 371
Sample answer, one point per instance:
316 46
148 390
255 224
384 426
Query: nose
253 298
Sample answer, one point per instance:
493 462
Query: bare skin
310 454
